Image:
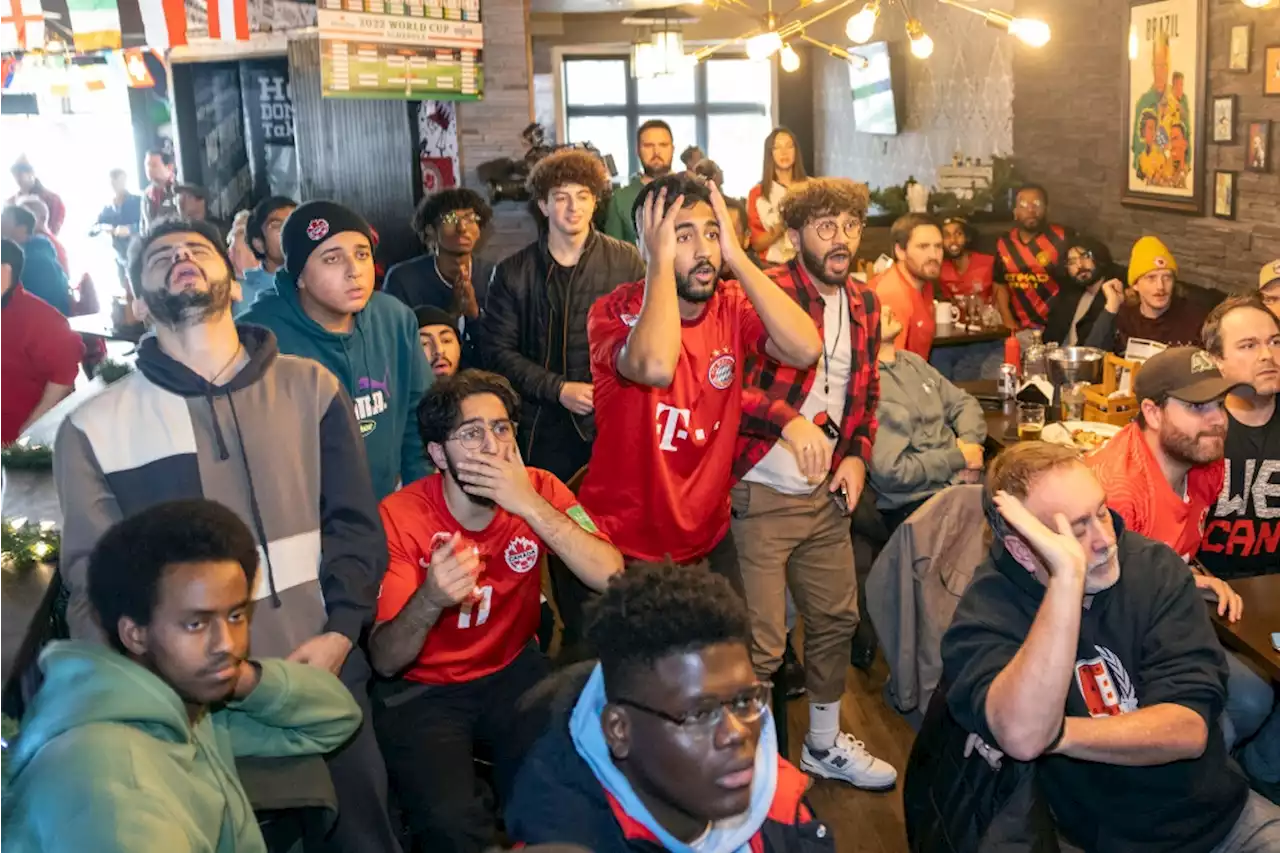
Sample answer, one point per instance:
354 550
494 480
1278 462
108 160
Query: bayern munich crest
720 374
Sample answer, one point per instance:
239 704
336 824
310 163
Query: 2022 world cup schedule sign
401 49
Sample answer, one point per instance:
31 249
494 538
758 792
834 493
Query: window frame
700 109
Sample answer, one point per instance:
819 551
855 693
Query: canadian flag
229 20
164 22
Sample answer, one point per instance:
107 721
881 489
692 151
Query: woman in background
783 171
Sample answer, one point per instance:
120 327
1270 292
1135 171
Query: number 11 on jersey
485 598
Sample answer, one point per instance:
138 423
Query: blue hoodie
43 276
380 363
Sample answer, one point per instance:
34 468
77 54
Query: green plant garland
23 456
25 544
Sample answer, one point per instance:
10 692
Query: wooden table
1251 636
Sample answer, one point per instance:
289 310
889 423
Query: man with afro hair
535 322
448 276
670 742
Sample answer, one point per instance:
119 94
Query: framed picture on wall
1241 40
1257 150
1271 70
1224 195
1165 104
1224 118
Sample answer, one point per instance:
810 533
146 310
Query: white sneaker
849 761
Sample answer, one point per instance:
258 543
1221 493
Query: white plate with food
1088 436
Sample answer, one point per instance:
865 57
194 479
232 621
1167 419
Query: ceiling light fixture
1030 31
1257 4
921 43
764 45
861 26
789 59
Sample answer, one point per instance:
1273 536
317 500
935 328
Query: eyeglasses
747 707
471 436
1030 205
826 229
453 219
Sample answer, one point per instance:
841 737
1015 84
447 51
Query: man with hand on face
669 744
964 272
448 276
908 286
133 748
1087 649
262 232
535 328
1083 312
1028 261
215 411
459 607
929 433
655 148
667 357
324 307
799 485
438 333
1159 313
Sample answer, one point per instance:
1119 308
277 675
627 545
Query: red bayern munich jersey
662 461
480 636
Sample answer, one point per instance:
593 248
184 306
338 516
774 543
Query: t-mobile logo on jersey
673 423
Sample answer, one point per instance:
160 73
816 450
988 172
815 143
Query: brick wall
491 128
1069 123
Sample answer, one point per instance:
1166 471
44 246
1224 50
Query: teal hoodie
380 363
107 761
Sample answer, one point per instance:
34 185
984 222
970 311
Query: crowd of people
316 519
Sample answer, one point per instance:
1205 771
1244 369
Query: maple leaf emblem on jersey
521 554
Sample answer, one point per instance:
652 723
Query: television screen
875 109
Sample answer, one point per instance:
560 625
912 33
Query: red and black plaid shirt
773 392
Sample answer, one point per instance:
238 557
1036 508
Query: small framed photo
1224 118
1271 71
1257 152
1224 195
1241 41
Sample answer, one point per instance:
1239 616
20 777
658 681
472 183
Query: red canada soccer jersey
661 464
483 635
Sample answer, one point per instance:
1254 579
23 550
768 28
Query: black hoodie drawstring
258 526
223 453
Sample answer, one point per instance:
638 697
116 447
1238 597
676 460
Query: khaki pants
799 542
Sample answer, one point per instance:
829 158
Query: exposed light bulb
1133 43
789 58
862 26
1256 4
764 45
921 43
1032 33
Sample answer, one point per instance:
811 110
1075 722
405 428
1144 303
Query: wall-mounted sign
401 49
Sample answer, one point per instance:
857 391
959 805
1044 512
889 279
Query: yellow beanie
1149 254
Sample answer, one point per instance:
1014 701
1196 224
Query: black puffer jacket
515 334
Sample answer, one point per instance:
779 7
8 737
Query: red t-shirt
477 637
976 280
662 461
1137 489
37 347
912 306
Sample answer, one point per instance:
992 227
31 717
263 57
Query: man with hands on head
459 606
798 484
1087 649
667 357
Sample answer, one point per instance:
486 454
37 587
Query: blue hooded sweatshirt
43 276
380 363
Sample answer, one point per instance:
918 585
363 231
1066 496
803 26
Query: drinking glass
1030 421
1073 401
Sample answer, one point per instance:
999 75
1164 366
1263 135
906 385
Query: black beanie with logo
311 224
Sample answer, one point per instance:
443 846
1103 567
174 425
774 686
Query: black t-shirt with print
1242 532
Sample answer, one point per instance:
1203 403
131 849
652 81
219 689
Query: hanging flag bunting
229 20
21 25
95 24
164 23
136 67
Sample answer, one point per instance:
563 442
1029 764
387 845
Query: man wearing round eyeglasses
448 276
669 744
1028 261
459 606
1083 312
797 489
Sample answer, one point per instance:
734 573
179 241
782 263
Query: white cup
945 314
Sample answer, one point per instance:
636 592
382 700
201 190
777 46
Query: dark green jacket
618 223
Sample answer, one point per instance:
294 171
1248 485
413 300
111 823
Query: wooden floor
863 822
